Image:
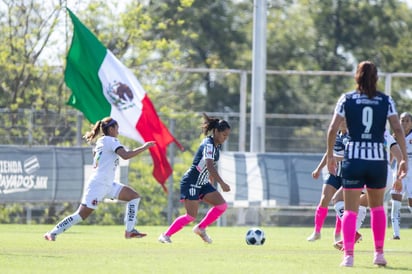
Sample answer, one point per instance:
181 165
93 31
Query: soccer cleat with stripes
134 234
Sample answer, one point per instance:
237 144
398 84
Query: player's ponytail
210 124
366 78
100 126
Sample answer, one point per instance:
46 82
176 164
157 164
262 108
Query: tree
28 81
367 30
211 35
156 38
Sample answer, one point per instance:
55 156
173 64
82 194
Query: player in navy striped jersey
397 194
198 182
331 185
394 152
366 111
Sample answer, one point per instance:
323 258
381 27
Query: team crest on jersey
120 95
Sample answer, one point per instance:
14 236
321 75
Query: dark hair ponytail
210 124
366 78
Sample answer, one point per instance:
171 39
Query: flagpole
170 179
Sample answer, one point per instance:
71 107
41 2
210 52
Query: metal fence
284 132
278 138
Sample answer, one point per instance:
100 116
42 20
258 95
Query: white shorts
390 179
95 192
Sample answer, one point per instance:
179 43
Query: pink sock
349 230
320 216
338 225
378 226
178 224
212 215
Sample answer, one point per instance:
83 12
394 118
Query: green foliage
27 80
210 35
10 213
158 39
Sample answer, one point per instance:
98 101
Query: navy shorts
335 181
359 173
189 191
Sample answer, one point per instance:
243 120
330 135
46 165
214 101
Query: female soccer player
365 161
197 182
332 184
397 194
101 184
394 152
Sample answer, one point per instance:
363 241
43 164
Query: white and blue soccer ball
255 236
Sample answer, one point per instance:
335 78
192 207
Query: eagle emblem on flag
120 95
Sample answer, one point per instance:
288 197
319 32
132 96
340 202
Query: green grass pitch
103 249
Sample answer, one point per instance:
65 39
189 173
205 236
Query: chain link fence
35 128
302 131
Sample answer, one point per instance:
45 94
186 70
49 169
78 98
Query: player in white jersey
101 183
397 194
394 156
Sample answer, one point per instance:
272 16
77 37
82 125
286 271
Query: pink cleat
379 259
347 261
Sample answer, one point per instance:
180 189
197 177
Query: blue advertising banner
48 174
42 174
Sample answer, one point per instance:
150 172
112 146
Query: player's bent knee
222 207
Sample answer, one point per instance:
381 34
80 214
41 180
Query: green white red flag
102 86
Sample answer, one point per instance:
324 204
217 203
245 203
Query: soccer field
103 249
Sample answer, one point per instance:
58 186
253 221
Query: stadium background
271 188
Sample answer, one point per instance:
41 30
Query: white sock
396 217
66 223
339 208
130 217
361 217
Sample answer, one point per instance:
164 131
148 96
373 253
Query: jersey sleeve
208 150
340 109
389 140
392 107
115 144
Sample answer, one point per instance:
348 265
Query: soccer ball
255 236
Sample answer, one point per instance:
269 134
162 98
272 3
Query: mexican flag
102 86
